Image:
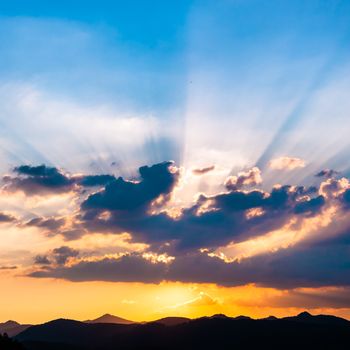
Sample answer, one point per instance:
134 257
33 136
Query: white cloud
287 163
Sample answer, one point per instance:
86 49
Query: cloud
211 222
8 267
286 163
333 188
307 264
331 297
43 180
327 173
67 227
186 247
202 171
322 261
121 195
38 180
203 299
96 180
5 218
62 254
42 260
310 205
250 177
128 268
346 198
71 234
50 224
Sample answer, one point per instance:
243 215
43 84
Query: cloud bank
199 242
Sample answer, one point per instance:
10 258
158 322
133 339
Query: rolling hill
300 332
172 321
12 328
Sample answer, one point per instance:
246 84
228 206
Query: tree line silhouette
6 343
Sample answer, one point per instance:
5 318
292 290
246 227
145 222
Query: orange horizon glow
34 301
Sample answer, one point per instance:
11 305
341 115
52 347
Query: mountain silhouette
108 318
12 328
305 317
172 321
6 343
219 331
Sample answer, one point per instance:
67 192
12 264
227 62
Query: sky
174 158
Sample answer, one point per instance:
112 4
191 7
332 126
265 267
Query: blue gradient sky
265 77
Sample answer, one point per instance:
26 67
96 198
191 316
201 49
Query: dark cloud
6 218
213 221
345 198
300 266
46 223
62 254
336 298
73 233
38 180
121 195
39 170
96 180
201 171
310 205
327 173
128 268
58 226
42 179
42 260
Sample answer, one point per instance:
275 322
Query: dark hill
172 321
7 343
218 332
12 328
305 317
108 318
69 332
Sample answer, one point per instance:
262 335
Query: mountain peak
108 318
10 323
12 328
304 314
269 318
219 316
242 317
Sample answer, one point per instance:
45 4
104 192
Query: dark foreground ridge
217 332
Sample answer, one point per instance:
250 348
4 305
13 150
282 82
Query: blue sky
260 75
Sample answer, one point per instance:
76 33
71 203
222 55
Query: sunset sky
174 158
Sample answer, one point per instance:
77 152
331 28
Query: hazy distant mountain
108 318
172 321
12 328
300 332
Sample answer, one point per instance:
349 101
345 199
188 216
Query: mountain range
12 328
109 332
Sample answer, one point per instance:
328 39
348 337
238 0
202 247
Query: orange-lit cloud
250 177
286 163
